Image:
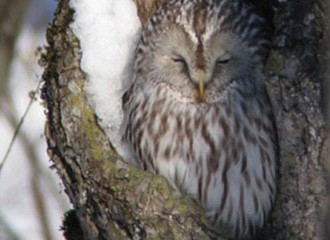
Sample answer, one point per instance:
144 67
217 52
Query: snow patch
108 31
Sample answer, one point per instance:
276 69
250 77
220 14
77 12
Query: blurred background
32 201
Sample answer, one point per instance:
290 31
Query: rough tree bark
114 201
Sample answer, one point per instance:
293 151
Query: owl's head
203 48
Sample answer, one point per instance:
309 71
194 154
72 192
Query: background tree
115 201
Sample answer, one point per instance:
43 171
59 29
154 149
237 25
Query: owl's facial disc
200 77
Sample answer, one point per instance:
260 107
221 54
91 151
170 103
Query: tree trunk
116 201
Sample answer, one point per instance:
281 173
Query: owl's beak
199 78
201 89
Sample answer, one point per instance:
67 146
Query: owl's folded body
198 111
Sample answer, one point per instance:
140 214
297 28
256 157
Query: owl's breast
223 154
165 126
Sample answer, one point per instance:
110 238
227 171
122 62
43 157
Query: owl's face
200 69
199 56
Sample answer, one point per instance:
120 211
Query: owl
198 113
